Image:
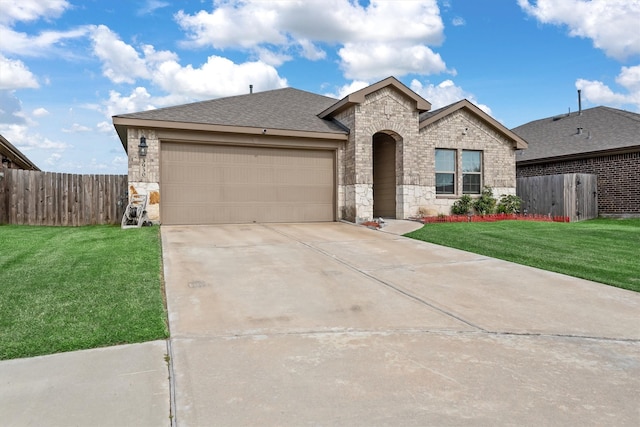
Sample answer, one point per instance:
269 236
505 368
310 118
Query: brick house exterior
602 141
383 138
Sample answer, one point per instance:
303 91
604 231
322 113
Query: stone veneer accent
144 173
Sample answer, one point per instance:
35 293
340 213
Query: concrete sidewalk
115 386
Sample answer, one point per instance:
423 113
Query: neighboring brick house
602 141
292 156
12 158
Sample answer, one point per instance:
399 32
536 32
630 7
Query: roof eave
520 144
18 158
578 156
122 123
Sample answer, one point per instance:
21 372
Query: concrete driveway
333 324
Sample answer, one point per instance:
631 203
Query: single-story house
602 141
287 155
12 158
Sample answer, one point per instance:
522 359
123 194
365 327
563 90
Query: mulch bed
493 218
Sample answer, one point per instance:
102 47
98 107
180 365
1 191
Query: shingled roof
285 109
13 155
593 132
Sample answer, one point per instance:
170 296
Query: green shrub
462 206
509 204
486 204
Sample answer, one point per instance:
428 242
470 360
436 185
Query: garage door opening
225 184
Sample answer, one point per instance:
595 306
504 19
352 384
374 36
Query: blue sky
67 66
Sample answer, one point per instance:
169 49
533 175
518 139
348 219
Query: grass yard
72 288
602 250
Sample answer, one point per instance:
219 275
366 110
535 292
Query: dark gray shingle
287 109
603 128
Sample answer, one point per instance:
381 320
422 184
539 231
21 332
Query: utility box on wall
573 195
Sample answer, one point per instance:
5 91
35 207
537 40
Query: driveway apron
333 324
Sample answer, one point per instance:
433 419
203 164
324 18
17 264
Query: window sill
456 196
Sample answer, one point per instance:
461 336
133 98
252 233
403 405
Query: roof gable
593 130
435 115
359 96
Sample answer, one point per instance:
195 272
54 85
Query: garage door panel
209 184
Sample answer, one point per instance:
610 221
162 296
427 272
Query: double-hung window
448 168
471 172
445 171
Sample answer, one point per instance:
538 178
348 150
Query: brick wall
461 130
618 179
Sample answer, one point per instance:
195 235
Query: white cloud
138 100
40 112
75 128
629 78
599 93
120 161
379 60
23 44
397 49
53 159
15 75
151 6
216 78
444 94
311 51
234 24
348 89
31 10
458 21
612 25
274 59
121 63
25 140
105 127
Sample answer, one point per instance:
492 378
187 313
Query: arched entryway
384 175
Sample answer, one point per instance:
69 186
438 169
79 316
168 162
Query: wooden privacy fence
573 195
47 198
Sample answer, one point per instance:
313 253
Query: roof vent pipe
250 88
579 131
579 102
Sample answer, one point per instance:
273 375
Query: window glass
445 183
471 161
471 172
470 184
445 161
445 171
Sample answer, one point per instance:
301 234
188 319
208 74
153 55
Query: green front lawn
602 250
72 288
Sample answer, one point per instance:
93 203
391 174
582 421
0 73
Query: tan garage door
220 184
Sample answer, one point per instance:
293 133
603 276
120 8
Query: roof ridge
206 101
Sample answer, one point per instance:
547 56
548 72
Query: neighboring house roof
8 151
594 131
285 109
433 116
359 96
